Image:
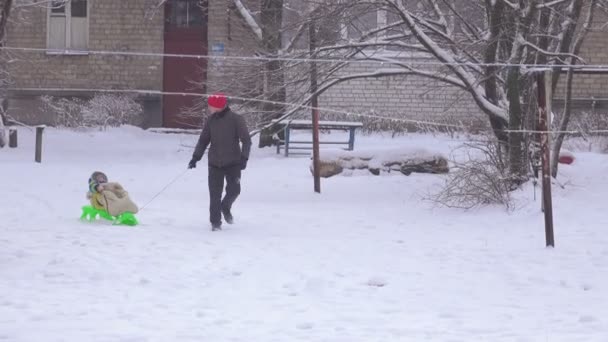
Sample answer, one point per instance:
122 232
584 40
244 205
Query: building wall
114 25
416 98
228 31
589 90
120 25
410 98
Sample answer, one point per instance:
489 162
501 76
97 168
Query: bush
67 111
101 111
589 141
481 179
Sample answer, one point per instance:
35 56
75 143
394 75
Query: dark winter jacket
223 130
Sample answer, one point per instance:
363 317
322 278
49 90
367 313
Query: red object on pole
544 85
315 109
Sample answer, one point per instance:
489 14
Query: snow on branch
424 73
551 4
253 25
382 43
21 4
514 6
451 61
552 54
442 18
294 39
304 103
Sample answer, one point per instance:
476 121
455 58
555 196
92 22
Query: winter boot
228 216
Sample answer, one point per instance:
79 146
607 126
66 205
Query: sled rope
164 189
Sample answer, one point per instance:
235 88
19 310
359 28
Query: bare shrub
66 111
110 110
590 143
100 111
588 140
481 178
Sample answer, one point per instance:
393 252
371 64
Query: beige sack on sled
116 200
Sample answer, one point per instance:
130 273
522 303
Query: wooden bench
287 126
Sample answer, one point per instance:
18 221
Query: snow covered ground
367 260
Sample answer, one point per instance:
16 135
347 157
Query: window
186 13
366 21
68 25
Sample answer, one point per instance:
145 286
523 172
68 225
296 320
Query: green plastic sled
90 213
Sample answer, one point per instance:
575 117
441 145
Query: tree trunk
563 124
7 5
568 38
274 87
490 55
565 118
4 15
491 52
516 148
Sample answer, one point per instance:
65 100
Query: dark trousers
232 174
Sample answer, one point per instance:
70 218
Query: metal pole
39 131
12 137
315 108
544 89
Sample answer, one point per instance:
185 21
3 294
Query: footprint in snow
446 315
305 326
376 282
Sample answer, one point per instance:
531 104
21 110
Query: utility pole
543 80
312 36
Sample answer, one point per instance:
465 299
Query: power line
398 59
301 106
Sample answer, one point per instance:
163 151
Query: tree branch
251 23
496 113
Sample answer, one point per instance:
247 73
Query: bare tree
564 120
483 48
5 11
274 89
480 47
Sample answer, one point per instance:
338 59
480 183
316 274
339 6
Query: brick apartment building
72 29
79 31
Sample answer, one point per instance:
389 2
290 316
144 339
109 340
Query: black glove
243 163
192 164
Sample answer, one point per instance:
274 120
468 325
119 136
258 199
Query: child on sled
109 196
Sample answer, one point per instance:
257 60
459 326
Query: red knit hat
217 100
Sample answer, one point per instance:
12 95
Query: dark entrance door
185 34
